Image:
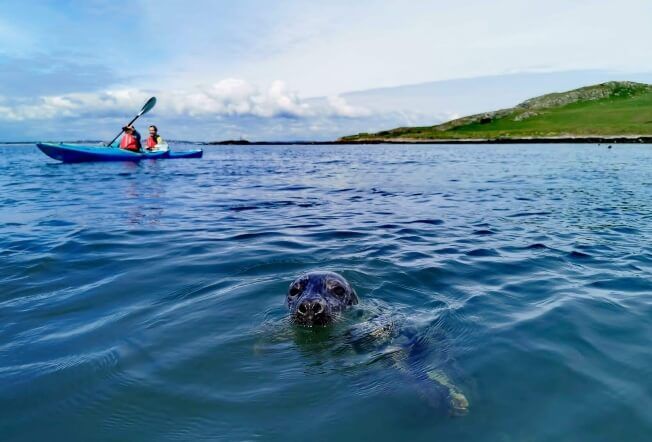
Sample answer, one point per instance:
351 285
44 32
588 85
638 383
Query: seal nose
313 307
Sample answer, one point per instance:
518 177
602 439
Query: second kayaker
131 139
154 138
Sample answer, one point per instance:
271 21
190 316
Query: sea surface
146 301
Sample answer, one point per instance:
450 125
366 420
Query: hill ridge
616 106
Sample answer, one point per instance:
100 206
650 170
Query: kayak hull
75 153
188 154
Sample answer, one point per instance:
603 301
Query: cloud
71 105
238 97
342 108
228 97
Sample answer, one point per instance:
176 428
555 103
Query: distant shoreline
634 139
638 139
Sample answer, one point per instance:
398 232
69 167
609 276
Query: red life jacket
129 142
152 141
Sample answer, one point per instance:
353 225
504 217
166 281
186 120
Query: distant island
616 111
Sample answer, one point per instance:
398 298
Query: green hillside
607 109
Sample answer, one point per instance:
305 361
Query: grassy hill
617 108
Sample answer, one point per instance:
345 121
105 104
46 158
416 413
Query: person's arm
137 135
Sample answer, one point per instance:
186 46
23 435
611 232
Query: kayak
76 153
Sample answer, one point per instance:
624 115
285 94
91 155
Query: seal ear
354 297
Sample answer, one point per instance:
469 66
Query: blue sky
286 69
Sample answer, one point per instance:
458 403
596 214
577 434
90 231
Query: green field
608 109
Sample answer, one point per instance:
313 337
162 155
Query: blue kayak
76 153
197 153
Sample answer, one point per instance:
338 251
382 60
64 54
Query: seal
320 298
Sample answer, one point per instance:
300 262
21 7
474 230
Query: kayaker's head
128 129
153 130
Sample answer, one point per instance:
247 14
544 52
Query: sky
299 69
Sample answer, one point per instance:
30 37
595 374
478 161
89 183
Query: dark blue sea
146 301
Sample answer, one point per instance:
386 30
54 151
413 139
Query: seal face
317 298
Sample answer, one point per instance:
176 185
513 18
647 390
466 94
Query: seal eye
339 291
294 291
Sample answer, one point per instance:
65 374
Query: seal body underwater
321 298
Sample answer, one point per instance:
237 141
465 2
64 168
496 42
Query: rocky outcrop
610 89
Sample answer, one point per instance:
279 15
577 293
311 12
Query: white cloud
342 108
228 97
71 105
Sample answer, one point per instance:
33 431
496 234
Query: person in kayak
131 139
154 138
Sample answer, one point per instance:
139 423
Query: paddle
146 108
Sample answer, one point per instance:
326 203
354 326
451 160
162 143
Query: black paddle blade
148 106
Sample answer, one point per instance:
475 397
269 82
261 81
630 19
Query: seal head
317 298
